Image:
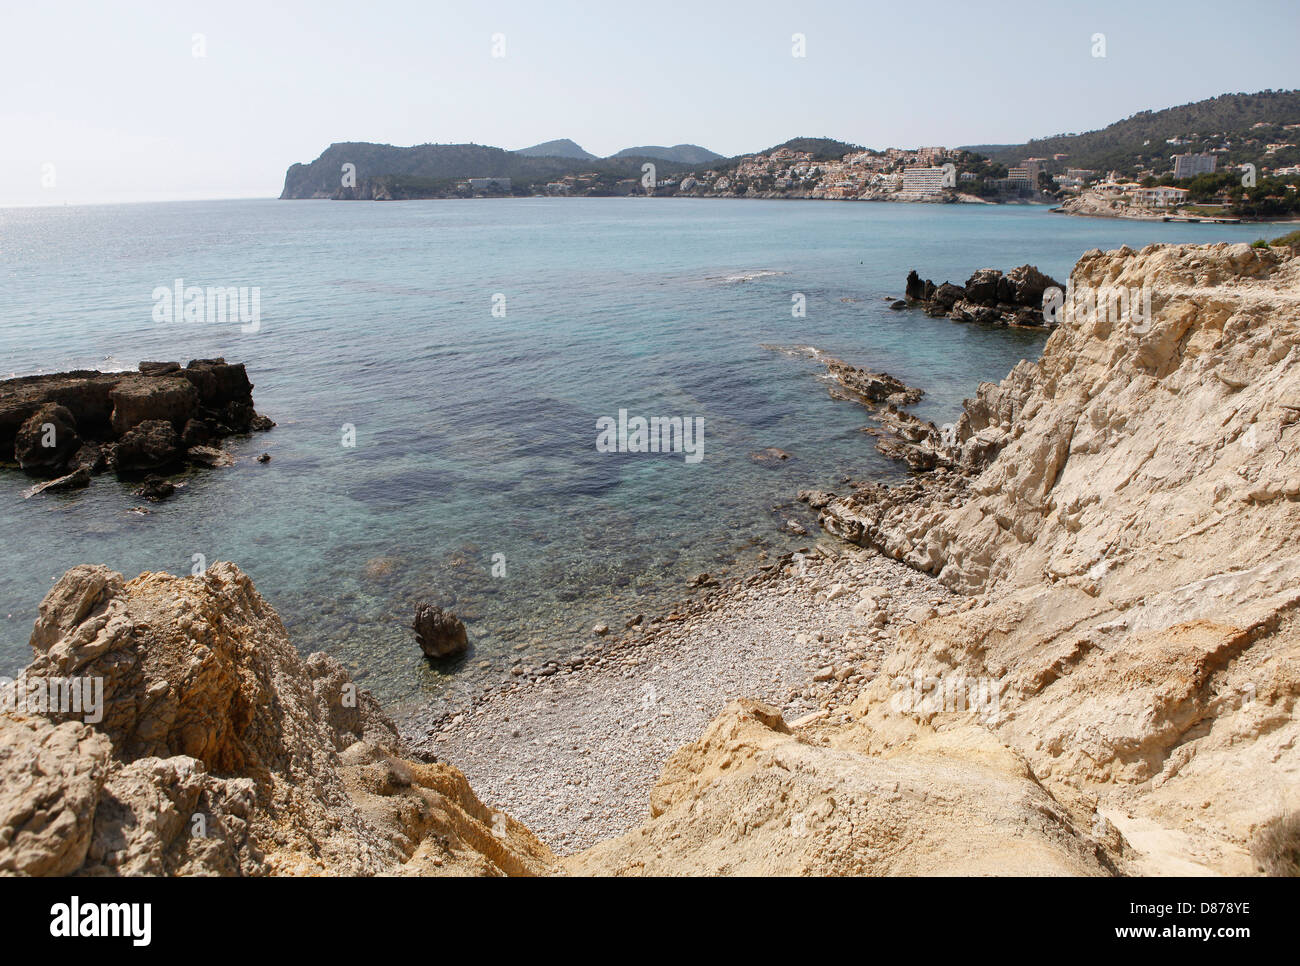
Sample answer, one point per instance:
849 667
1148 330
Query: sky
143 101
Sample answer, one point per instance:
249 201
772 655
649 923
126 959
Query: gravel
572 749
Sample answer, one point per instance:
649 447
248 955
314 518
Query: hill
428 170
681 153
560 148
1142 140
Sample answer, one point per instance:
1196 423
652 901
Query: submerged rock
155 489
75 480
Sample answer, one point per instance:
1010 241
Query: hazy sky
112 96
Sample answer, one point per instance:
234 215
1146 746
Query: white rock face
1133 549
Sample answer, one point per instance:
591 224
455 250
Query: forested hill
1142 140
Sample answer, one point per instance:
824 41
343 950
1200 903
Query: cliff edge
166 726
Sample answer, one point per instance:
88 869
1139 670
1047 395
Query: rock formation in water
1126 529
158 418
440 633
988 296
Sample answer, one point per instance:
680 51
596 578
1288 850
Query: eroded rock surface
217 749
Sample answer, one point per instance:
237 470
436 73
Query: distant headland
1232 157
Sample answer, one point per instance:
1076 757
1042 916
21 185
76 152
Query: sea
438 371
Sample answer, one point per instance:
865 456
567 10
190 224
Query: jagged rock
220 750
52 779
916 289
209 456
1122 525
47 441
815 498
94 413
78 478
197 432
440 633
866 386
988 297
150 445
156 489
91 456
1027 285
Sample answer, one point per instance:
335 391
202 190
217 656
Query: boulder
151 445
218 382
440 633
155 489
138 399
47 441
982 287
1027 285
944 298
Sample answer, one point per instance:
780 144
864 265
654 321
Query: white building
486 184
1161 196
1190 165
923 181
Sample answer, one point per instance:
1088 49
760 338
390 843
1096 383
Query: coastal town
1191 186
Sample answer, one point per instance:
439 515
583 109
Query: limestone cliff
1125 528
217 749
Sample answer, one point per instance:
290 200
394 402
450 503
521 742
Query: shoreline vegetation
1068 646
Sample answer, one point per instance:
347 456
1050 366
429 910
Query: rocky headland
66 427
1071 647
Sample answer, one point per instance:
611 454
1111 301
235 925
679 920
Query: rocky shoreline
66 427
1073 648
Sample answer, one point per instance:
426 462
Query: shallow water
475 433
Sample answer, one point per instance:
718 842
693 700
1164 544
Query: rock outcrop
988 296
1124 522
214 748
133 422
751 798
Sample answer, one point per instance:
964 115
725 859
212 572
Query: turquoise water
475 433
